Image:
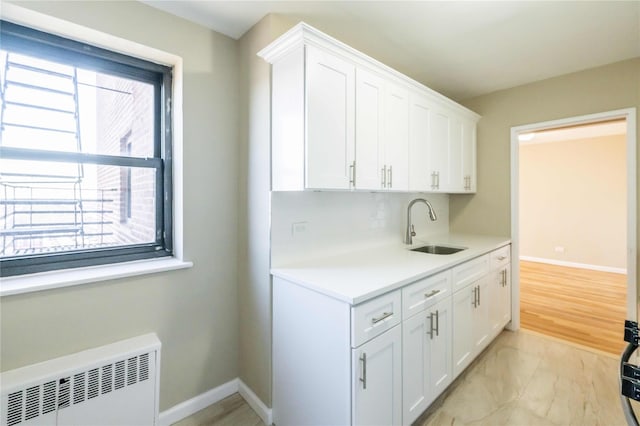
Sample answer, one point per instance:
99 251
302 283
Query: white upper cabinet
369 129
330 147
462 155
419 123
344 121
396 140
438 150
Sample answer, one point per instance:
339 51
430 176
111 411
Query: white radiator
116 384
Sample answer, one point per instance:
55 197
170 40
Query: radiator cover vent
35 403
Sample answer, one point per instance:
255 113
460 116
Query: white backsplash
312 224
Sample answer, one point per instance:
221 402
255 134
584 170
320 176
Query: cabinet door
505 298
480 314
440 369
469 156
426 358
415 366
438 155
462 154
369 129
330 90
419 173
396 142
377 380
463 305
456 181
500 302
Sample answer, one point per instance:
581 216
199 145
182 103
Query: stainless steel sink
438 249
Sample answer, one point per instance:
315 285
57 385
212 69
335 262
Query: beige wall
573 195
193 311
605 88
254 281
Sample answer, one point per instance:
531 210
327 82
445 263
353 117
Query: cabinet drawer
500 257
422 294
470 271
375 317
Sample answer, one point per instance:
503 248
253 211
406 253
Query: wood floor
578 305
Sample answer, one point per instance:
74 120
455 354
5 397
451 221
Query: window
85 154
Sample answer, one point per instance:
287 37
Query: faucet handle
413 231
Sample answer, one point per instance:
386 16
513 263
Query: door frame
629 114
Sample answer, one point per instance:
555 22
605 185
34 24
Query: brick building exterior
125 127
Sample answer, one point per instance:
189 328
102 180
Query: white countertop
358 276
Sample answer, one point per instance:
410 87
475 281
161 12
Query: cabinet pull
352 174
430 332
437 323
431 294
475 297
363 379
433 180
501 258
478 293
383 317
437 180
504 277
390 176
384 177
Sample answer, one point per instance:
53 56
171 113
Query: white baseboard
199 402
574 264
258 406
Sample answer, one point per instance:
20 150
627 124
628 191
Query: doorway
574 269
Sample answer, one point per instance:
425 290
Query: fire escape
43 204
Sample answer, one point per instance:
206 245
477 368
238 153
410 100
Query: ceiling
461 49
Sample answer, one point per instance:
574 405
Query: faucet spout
410 233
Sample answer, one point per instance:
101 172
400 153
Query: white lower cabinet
463 301
426 358
500 303
471 327
384 361
481 326
377 380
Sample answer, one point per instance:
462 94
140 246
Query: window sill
69 277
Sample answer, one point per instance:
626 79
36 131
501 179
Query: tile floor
527 379
522 379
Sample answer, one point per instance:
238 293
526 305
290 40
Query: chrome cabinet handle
390 170
384 177
478 295
384 316
437 180
437 323
433 180
352 174
431 329
431 294
363 379
475 297
502 258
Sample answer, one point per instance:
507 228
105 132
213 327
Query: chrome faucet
408 239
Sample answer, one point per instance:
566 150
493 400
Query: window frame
29 41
